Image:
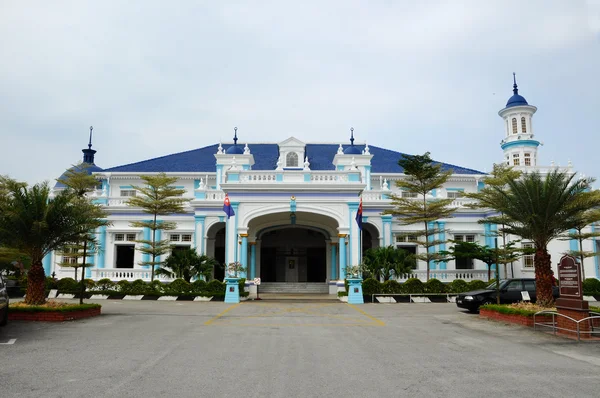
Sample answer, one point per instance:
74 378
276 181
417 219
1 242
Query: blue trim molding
529 143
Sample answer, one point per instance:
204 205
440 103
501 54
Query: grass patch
525 309
50 306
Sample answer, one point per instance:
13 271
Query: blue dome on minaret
352 150
516 99
235 149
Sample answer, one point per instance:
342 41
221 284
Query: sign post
257 284
571 303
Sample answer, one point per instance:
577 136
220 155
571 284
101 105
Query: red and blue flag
227 207
359 214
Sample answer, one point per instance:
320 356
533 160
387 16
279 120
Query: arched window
523 125
291 160
514 125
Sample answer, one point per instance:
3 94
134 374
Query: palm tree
187 264
541 208
35 224
385 262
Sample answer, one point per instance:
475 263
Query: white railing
127 274
329 177
258 177
215 195
117 201
447 275
293 176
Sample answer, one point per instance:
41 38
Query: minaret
519 146
88 154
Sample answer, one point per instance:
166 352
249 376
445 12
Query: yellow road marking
379 322
221 314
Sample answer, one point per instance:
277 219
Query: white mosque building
295 205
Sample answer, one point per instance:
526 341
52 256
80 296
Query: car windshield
492 286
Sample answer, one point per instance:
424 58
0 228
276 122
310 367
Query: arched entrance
370 238
215 247
293 254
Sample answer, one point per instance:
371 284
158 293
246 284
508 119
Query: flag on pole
359 215
227 207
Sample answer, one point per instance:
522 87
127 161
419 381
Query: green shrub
342 294
346 285
122 286
391 287
477 284
104 284
434 286
371 286
156 287
242 285
458 286
178 287
136 288
412 285
591 287
215 288
67 285
89 284
199 286
50 283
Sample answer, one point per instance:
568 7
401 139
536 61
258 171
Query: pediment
291 142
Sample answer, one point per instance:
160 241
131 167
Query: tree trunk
36 279
82 288
543 277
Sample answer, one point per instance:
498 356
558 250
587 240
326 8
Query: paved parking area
186 349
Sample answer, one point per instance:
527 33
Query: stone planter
524 320
53 316
232 290
355 294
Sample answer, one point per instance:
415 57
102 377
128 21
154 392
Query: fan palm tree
35 224
386 262
187 264
541 208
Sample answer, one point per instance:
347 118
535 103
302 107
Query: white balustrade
329 177
215 195
258 177
117 201
127 274
447 275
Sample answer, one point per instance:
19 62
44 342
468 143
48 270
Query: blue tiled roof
320 157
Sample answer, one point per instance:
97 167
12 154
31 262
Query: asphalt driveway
268 349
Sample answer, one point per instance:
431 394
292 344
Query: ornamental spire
515 87
88 154
352 136
235 136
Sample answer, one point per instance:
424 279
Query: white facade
306 205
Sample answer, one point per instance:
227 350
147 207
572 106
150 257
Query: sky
160 77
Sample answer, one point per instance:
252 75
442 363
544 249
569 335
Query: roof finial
515 89
90 143
235 136
352 136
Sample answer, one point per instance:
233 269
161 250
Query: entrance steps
294 287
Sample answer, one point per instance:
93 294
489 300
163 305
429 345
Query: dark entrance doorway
293 255
125 255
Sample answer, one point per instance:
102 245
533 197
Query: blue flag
227 207
359 215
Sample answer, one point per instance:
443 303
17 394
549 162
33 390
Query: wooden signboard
569 277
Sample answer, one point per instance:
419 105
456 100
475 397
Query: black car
3 303
510 292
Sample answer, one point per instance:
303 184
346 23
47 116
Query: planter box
524 320
53 316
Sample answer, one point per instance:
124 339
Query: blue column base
355 292
232 290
